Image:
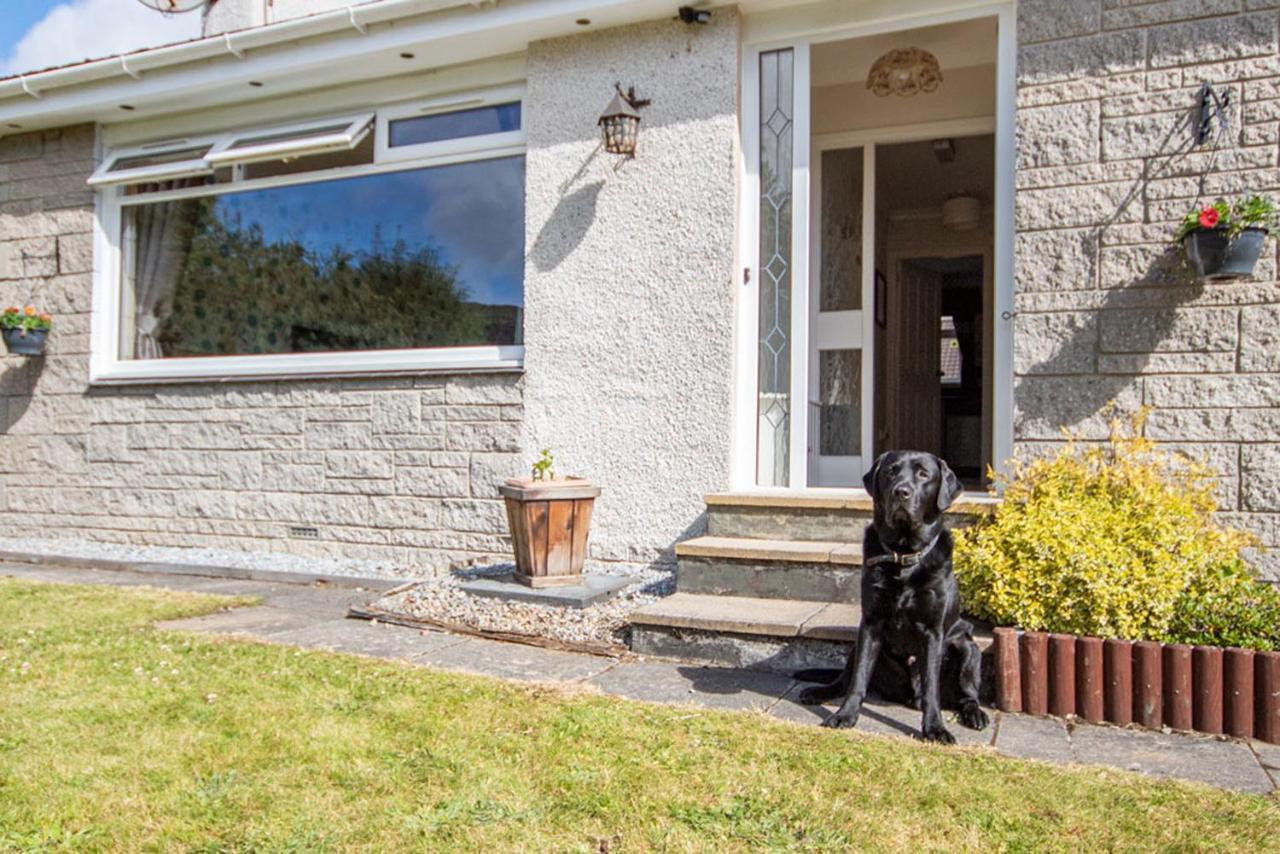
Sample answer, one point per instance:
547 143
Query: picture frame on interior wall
882 314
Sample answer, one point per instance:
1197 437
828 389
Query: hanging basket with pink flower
25 330
1222 241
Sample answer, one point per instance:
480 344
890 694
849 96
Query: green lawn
116 736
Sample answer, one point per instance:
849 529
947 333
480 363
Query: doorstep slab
738 614
1218 762
710 687
516 661
742 548
595 588
835 622
369 638
260 622
881 717
1269 756
1030 737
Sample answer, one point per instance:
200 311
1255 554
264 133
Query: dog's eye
921 474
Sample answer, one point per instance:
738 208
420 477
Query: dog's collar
903 559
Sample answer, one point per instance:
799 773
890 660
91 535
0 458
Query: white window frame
451 150
224 153
104 177
107 367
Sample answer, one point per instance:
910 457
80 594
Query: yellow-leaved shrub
1115 540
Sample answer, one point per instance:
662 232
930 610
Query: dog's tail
821 675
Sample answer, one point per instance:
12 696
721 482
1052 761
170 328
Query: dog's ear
869 479
948 485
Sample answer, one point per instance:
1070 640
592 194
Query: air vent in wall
304 533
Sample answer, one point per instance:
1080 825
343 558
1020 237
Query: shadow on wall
18 378
1168 284
566 227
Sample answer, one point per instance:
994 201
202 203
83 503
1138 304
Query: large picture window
323 259
429 257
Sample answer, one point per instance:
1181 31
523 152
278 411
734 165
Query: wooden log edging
1203 688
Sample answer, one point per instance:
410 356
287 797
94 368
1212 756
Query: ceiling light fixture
904 71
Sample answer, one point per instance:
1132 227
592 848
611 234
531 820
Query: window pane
841 282
421 258
361 155
137 161
952 360
840 385
290 135
774 388
499 118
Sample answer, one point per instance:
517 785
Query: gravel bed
441 600
271 561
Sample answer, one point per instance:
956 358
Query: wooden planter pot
549 521
1204 688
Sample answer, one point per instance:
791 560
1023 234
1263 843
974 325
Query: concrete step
817 570
774 635
820 515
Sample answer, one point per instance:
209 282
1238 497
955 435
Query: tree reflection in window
377 262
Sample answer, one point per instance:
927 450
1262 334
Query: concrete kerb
206 570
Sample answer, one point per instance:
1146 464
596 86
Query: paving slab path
314 617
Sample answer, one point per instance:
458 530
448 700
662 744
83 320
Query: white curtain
162 235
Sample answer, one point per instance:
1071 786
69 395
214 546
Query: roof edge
357 16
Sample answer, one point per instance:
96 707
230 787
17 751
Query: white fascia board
274 55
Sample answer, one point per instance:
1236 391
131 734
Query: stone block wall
1106 169
398 469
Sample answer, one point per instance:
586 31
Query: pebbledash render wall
629 282
1105 311
628 299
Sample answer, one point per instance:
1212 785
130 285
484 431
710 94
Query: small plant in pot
1222 241
549 519
25 330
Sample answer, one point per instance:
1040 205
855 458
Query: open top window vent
176 159
159 162
319 137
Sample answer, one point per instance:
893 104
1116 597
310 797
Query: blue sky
37 34
473 214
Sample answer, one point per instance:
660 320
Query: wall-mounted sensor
690 15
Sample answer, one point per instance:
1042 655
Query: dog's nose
902 491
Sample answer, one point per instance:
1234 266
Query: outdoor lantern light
621 122
904 71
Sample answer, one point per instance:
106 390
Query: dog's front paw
839 721
939 734
972 716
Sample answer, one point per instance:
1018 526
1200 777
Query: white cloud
91 29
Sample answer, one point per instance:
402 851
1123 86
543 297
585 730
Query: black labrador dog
912 645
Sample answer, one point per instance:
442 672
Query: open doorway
877 224
933 340
902 252
934 362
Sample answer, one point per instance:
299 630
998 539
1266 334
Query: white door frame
763 36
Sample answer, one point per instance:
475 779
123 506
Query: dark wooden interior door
914 362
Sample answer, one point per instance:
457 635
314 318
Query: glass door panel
838 404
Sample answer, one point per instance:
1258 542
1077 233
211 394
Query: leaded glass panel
777 105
